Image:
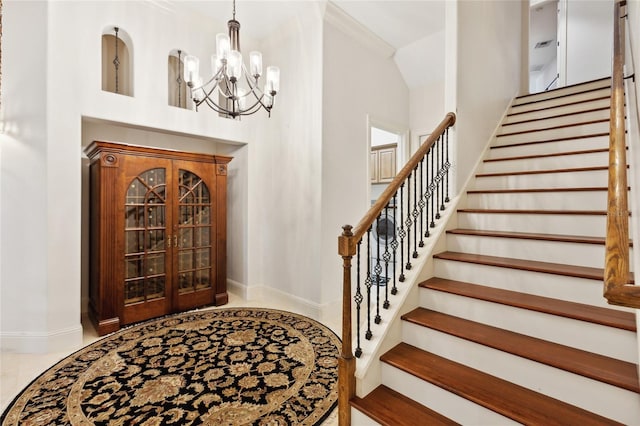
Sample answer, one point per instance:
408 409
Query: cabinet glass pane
186 215
185 282
134 241
133 291
145 237
155 240
134 216
202 258
202 279
203 215
185 260
134 265
203 236
155 288
186 237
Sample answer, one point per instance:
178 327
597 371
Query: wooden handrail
347 248
617 289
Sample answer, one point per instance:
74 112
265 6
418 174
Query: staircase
513 327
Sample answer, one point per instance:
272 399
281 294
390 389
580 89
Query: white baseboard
42 342
263 295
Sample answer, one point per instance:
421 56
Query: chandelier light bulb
273 80
255 64
234 65
223 46
198 93
216 64
242 102
191 68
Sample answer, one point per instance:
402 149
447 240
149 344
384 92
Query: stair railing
384 242
617 287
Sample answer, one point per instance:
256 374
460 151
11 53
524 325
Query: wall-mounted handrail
617 287
420 189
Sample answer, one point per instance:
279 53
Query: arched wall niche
176 86
118 81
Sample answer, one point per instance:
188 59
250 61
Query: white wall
589 28
24 304
488 74
285 190
359 81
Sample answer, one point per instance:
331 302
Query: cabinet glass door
195 227
194 233
146 240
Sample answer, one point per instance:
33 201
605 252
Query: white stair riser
596 142
456 408
608 341
563 92
595 396
551 134
358 418
564 224
589 255
578 290
582 179
583 117
587 96
565 109
568 200
594 159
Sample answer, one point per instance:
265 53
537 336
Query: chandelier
223 92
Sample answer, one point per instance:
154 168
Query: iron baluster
441 173
367 283
386 257
431 189
394 245
421 202
408 222
358 299
401 233
427 195
437 179
447 164
415 212
378 270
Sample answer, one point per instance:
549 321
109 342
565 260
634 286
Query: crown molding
355 30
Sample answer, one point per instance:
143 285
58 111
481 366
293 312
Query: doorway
544 45
385 151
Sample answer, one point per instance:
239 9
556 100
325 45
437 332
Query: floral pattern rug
215 367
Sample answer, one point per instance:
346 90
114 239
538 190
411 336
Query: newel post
347 362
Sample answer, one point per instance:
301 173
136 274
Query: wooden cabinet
383 163
157 231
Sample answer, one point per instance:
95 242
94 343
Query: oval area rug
213 367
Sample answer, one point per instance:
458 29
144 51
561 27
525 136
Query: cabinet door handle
168 243
175 240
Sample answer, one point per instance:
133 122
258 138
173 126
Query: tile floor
18 370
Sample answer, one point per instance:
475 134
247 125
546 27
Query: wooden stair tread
568 114
540 172
598 367
600 98
561 126
516 190
508 399
520 211
568 138
532 236
388 407
582 83
555 154
579 311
